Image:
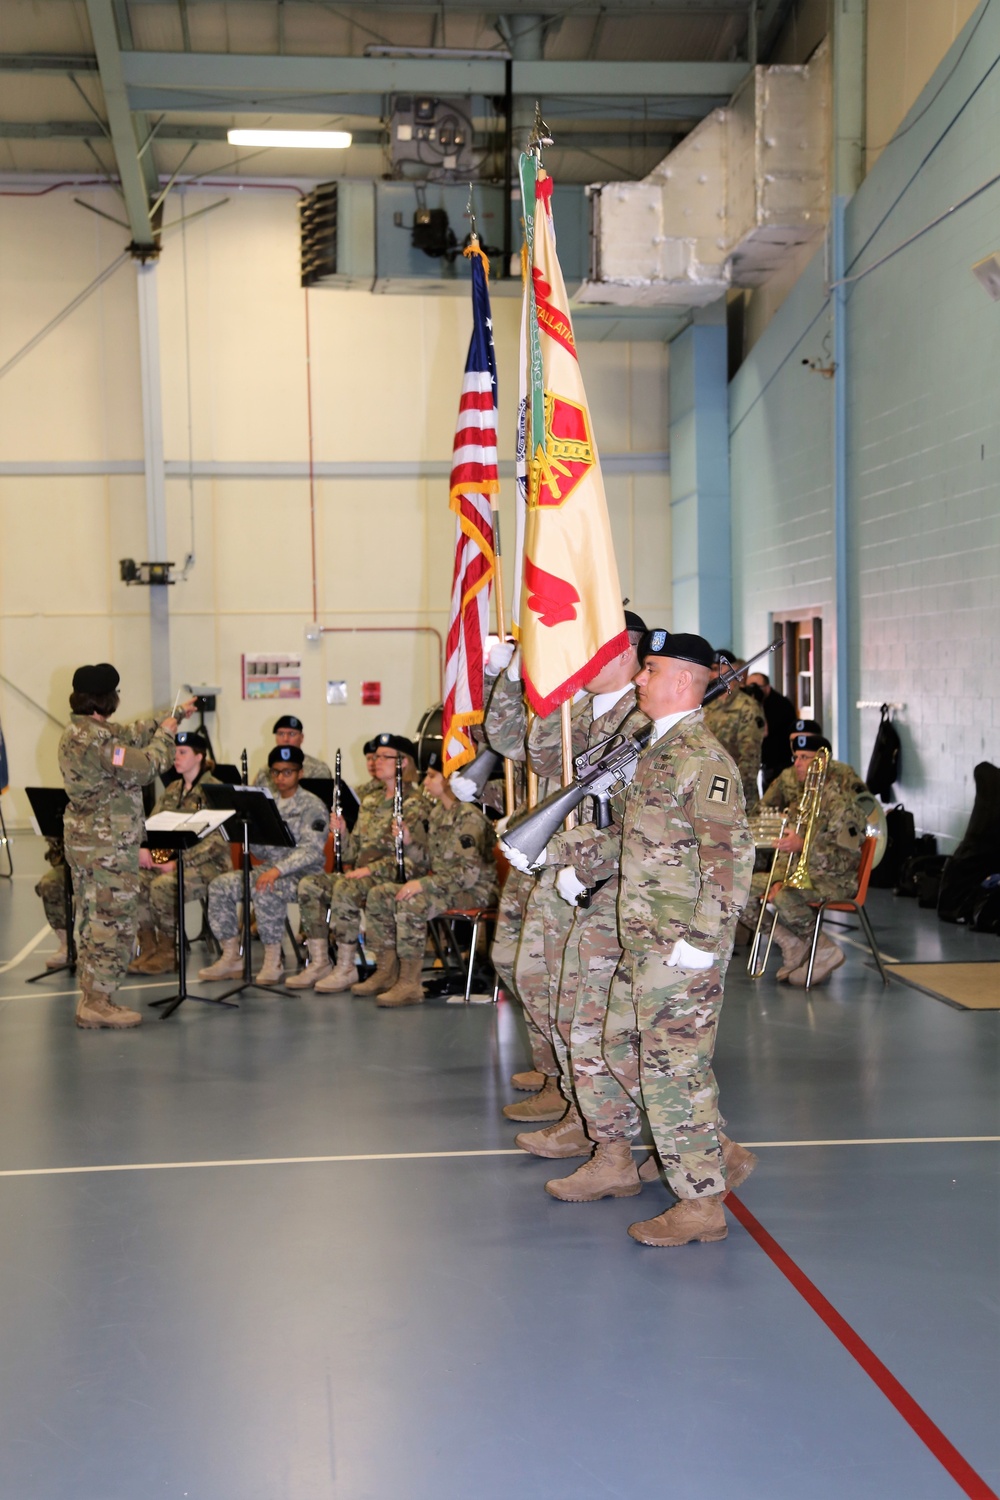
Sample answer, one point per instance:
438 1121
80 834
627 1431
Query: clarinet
397 814
245 769
338 853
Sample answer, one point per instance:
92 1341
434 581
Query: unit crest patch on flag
569 452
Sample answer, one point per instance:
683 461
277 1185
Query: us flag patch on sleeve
118 755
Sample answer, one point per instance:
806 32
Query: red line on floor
927 1431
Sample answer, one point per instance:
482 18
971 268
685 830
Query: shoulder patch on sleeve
718 792
118 755
318 825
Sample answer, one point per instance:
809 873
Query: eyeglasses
386 755
284 770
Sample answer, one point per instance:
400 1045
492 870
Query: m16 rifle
730 676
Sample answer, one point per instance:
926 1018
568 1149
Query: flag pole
508 765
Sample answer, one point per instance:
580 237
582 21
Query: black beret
722 655
193 740
370 747
809 742
399 743
634 622
287 721
683 647
99 679
285 755
807 726
432 760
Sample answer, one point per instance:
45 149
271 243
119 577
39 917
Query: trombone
795 872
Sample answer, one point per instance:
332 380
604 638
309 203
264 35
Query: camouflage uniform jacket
506 727
687 855
104 768
373 785
370 843
308 821
840 827
460 842
312 770
593 852
506 721
738 723
209 856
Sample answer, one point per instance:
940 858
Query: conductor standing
104 768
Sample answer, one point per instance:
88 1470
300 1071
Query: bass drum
429 738
876 826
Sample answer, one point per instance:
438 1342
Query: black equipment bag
978 855
899 848
986 912
883 768
919 863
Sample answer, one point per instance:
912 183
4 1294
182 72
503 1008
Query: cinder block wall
923 444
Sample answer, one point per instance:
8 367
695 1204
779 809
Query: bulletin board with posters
272 674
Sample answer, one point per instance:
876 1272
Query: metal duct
728 206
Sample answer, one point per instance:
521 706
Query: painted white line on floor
12 963
887 958
298 1161
43 994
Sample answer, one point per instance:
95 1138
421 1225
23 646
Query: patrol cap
193 740
285 755
98 680
682 647
634 622
287 721
397 742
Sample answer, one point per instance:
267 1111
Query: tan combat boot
793 950
547 1104
94 1010
528 1082
61 955
318 967
739 1162
343 976
610 1173
146 942
566 1137
650 1169
691 1219
228 965
829 956
162 960
385 976
272 970
407 990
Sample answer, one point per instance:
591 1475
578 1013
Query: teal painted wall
923 438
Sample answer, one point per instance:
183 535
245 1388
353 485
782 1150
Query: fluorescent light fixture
313 140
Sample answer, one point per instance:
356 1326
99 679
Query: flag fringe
459 723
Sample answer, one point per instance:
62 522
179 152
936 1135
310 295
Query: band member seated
834 855
370 848
462 873
202 862
276 878
52 889
288 730
738 723
372 784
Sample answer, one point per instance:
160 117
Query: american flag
473 480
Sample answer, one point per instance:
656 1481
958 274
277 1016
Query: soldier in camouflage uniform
738 723
462 873
834 856
371 848
205 860
104 768
372 784
288 730
686 863
52 889
275 880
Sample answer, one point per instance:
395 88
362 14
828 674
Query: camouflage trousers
52 889
592 955
158 897
106 890
792 906
270 905
314 905
658 1041
403 924
562 975
503 955
538 965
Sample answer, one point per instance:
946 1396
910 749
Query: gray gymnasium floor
190 1309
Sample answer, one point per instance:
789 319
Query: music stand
49 804
322 787
178 840
256 814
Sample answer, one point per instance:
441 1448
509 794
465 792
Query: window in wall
803 664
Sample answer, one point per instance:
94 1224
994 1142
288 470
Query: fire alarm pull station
371 692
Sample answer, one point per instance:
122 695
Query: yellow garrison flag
571 620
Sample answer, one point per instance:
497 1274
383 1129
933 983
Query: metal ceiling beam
134 171
46 62
86 130
241 75
478 7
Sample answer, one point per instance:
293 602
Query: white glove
464 789
499 657
520 860
683 956
569 885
